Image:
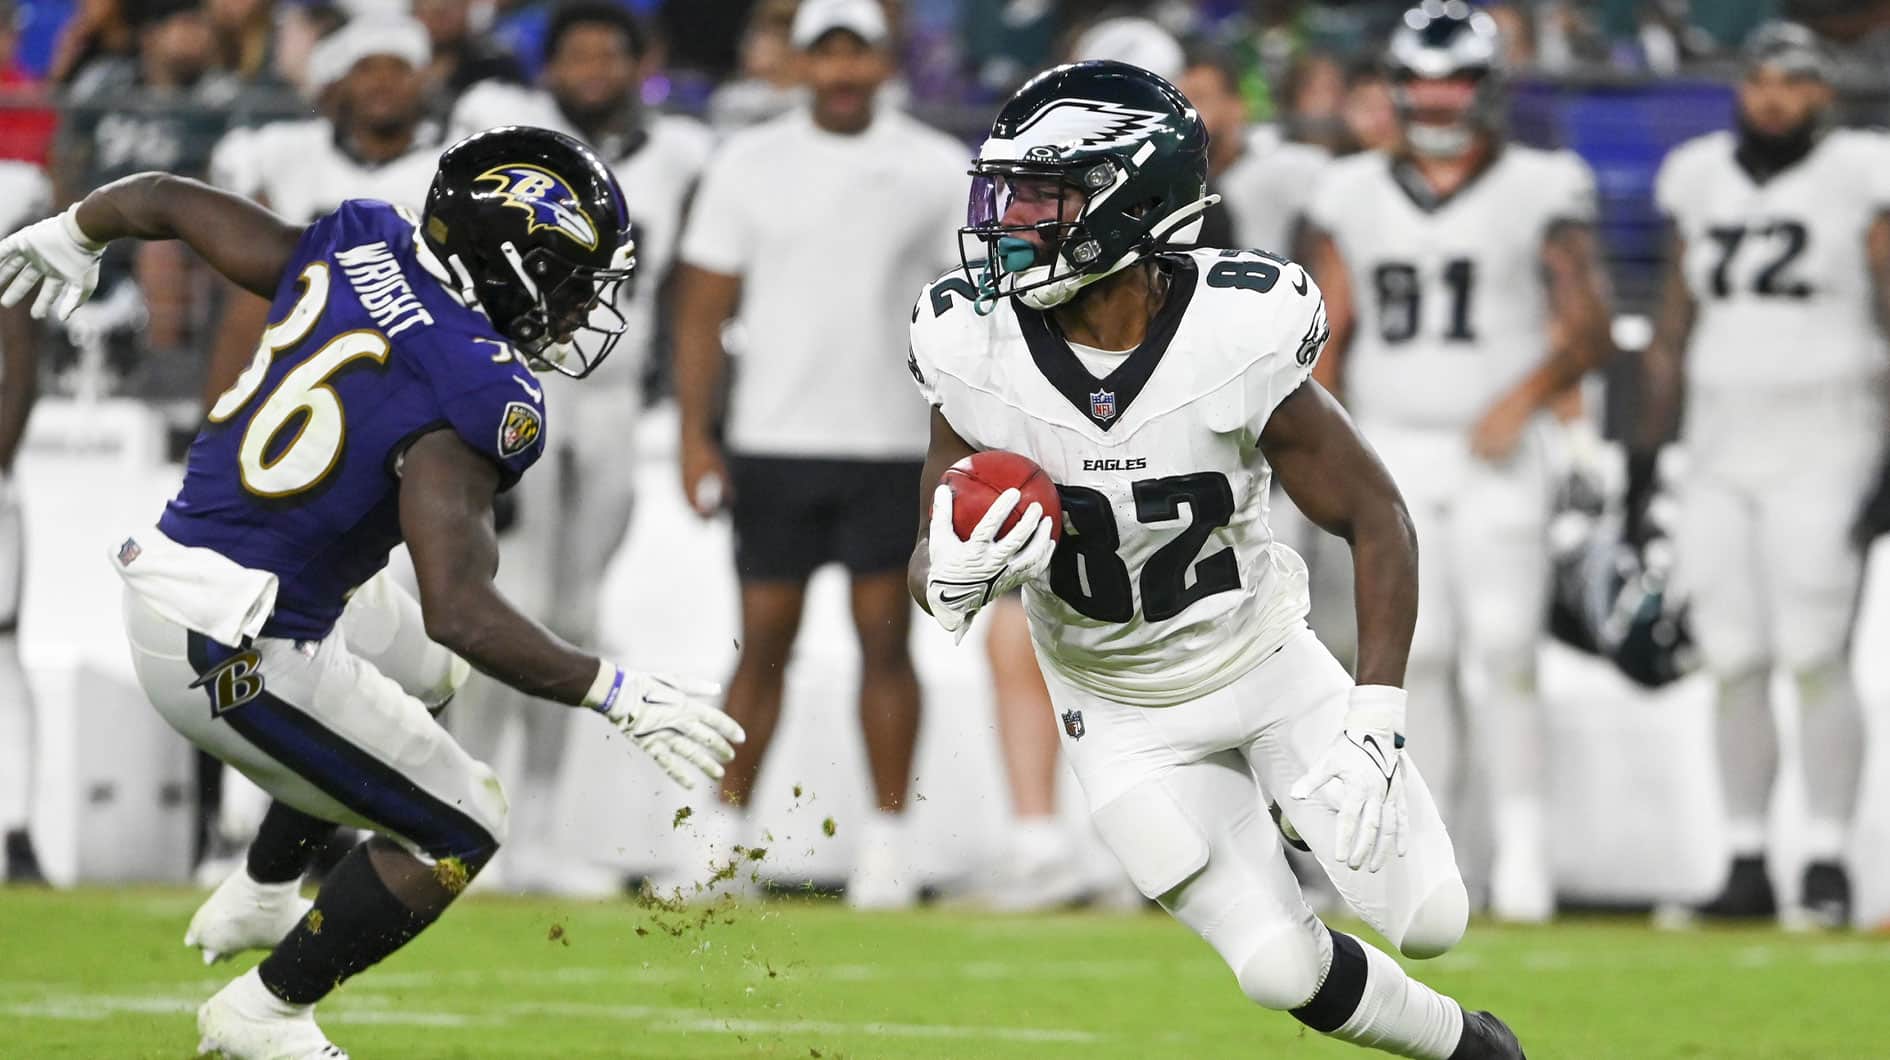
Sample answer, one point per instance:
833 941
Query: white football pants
337 728
1179 794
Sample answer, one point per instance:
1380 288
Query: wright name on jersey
1168 583
1450 312
296 472
1778 268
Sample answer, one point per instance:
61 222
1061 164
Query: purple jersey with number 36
296 472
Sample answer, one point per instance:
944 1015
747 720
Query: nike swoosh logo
537 393
1370 746
954 599
1300 284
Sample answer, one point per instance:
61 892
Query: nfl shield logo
1073 724
129 551
1102 405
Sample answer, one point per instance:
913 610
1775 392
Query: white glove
966 575
674 719
53 250
1366 762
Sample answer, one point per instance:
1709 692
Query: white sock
1831 728
251 996
1400 1015
1747 743
884 830
1824 839
1036 842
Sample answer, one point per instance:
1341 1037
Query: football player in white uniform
1770 333
1161 391
571 517
1465 293
25 188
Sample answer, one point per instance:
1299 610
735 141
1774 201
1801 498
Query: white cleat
244 1021
882 877
1040 871
242 914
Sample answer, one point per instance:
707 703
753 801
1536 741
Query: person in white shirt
820 224
571 518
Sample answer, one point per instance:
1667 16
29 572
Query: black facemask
1766 154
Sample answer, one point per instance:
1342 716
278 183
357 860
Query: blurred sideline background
1618 82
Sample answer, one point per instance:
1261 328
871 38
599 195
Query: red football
977 480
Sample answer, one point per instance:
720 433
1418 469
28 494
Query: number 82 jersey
1167 583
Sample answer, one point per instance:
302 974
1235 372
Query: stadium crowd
808 432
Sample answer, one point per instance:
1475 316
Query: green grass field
98 974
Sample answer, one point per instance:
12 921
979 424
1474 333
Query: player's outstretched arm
1331 473
1338 482
60 255
446 494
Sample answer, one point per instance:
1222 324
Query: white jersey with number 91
1447 294
1167 583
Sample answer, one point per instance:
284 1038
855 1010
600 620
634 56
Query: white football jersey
657 173
1167 583
1777 269
301 172
1449 306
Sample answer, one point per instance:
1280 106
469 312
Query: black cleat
1486 1038
22 860
1747 894
1827 895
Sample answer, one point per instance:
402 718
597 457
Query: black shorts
795 514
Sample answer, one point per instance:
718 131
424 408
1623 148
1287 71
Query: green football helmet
1131 155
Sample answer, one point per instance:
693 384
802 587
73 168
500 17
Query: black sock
1338 997
209 800
286 841
355 924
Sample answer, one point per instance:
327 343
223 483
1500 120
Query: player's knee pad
1286 968
1438 922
